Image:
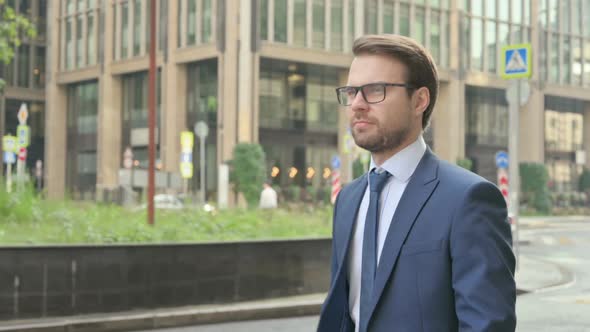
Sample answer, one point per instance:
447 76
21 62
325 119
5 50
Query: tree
13 27
248 171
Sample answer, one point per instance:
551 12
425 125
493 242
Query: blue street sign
335 161
186 157
9 157
502 159
516 61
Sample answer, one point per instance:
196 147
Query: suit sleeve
334 265
483 263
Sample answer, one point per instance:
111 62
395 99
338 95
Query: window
137 40
336 21
39 68
191 22
79 42
24 59
207 21
299 23
280 21
419 25
264 19
388 6
202 92
404 19
91 39
476 44
318 24
491 46
124 30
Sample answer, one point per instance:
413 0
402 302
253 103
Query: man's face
387 125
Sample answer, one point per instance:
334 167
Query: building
265 71
25 81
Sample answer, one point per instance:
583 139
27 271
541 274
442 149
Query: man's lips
361 123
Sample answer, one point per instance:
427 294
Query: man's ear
421 99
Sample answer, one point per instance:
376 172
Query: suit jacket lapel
348 215
417 192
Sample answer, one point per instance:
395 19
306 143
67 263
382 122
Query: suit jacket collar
403 164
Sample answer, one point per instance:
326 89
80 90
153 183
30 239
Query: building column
531 147
173 98
247 74
56 108
449 117
109 149
586 134
448 120
531 140
228 117
347 155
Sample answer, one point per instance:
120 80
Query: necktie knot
377 180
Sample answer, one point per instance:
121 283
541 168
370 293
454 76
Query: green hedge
533 185
248 171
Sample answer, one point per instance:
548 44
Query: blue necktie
369 264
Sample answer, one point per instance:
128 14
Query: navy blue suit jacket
447 262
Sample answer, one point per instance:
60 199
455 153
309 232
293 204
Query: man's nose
359 103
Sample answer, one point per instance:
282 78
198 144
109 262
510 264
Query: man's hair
421 69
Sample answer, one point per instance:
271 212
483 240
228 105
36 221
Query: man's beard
382 140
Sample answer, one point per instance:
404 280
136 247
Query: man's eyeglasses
372 93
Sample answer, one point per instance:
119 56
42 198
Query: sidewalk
533 275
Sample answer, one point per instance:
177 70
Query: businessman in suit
418 244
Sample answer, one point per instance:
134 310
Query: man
268 197
419 244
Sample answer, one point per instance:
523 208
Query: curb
174 317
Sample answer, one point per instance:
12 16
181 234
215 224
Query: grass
25 219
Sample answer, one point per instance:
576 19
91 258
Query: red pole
152 113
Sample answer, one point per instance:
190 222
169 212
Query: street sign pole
516 64
202 173
9 178
513 168
202 130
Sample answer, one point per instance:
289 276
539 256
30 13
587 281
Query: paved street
307 323
562 308
567 307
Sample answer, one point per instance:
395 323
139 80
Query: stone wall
68 280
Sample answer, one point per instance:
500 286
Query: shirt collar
403 164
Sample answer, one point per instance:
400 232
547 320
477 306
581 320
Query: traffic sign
23 133
9 143
503 184
186 157
9 157
186 170
22 154
201 129
187 140
502 159
23 114
516 61
335 161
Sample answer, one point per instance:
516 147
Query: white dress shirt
401 166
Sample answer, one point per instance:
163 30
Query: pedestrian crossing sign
516 61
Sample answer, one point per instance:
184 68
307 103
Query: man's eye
373 89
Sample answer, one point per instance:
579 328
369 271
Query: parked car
166 202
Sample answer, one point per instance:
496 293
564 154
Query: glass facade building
267 72
25 78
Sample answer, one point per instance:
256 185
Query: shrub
248 171
465 163
533 184
584 181
358 168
